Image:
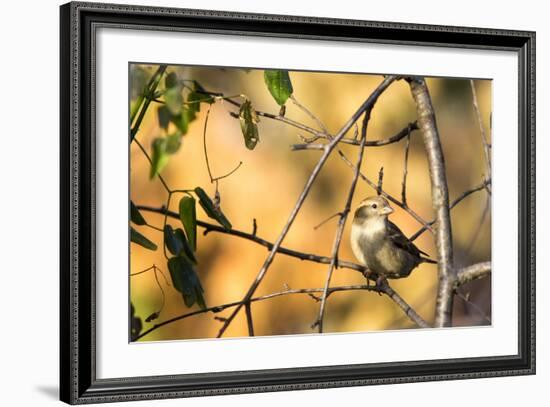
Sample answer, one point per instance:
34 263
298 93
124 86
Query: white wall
29 163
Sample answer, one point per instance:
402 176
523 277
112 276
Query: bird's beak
386 210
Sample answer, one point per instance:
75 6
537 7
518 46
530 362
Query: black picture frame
78 382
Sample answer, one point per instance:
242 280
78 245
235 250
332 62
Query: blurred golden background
267 186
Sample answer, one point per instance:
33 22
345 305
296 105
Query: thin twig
479 227
457 200
380 181
212 178
353 141
326 220
137 273
162 292
164 184
249 322
472 304
307 146
204 145
486 145
344 217
404 132
155 269
310 114
254 227
276 117
405 171
230 172
407 309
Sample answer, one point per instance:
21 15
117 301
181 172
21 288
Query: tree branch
209 227
373 143
219 308
407 309
440 200
471 273
249 322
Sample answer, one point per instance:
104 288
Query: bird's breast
356 243
373 249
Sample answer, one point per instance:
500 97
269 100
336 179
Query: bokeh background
269 181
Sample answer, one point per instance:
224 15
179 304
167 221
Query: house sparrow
379 244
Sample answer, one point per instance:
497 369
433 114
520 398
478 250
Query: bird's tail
426 260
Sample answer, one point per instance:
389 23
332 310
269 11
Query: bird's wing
400 240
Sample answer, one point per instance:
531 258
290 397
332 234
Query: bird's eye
374 206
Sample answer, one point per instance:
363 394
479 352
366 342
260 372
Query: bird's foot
369 276
381 283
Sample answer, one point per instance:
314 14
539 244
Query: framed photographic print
256 203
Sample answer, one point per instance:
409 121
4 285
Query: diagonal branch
310 114
459 199
407 309
343 217
371 100
405 171
440 200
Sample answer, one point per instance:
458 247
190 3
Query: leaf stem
148 97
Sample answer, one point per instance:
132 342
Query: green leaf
279 85
195 98
135 215
164 116
203 95
173 243
177 243
135 324
249 127
138 238
188 217
171 80
173 142
187 251
138 81
183 119
211 210
159 157
186 281
173 100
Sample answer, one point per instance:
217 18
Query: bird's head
372 207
